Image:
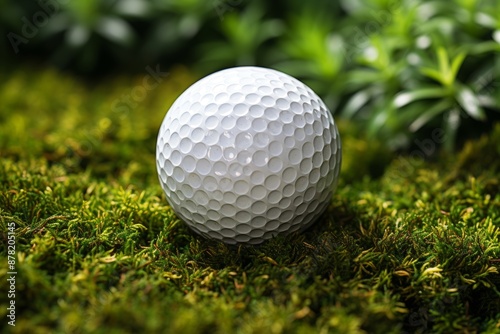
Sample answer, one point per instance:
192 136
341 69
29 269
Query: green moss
99 250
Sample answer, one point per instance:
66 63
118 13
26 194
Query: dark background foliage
400 69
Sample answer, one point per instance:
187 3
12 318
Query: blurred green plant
171 26
314 52
243 36
422 69
400 69
447 96
87 30
371 86
378 65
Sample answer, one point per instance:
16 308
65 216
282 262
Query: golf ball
247 153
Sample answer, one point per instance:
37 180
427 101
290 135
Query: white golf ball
247 153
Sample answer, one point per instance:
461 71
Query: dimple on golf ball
247 153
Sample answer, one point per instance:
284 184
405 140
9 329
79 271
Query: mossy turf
406 246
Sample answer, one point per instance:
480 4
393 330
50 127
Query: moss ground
406 246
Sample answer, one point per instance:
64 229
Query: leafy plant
413 73
314 52
398 68
243 35
447 95
172 26
372 86
87 31
378 66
